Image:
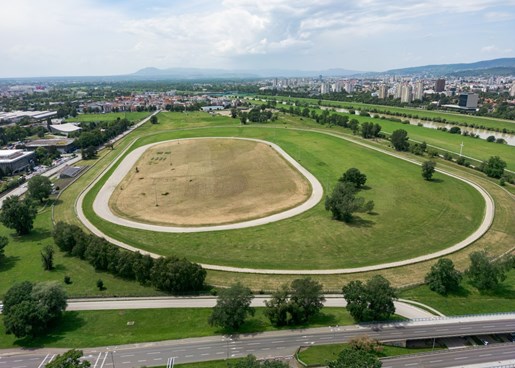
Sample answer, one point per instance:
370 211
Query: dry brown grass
208 182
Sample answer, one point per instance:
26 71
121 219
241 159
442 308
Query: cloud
493 49
92 37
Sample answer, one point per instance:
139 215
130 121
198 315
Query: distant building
419 91
512 90
324 88
65 129
70 172
13 161
349 87
406 93
64 145
383 91
468 100
440 85
211 108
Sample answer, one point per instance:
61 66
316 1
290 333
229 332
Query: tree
372 301
47 257
306 299
399 140
494 167
428 169
3 243
153 119
443 277
483 273
176 275
370 130
343 203
278 307
39 187
232 307
100 284
18 215
355 358
354 176
29 309
70 359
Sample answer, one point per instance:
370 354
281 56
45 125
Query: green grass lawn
407 210
131 116
22 262
102 328
449 116
468 300
319 355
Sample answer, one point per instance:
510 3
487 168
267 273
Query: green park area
407 209
131 116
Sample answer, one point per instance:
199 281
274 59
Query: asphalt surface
401 308
102 209
479 232
285 343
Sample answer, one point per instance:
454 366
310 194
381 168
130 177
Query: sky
115 37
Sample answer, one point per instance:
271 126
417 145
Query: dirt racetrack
203 182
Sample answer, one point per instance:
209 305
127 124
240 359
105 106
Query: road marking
189 356
103 361
436 361
460 358
204 354
258 343
410 364
276 341
209 347
442 329
154 353
141 361
96 362
326 338
127 355
421 331
158 358
17 361
485 355
219 353
20 366
466 328
507 352
179 350
126 362
265 349
488 326
45 358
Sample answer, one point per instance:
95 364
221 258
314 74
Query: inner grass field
131 116
412 216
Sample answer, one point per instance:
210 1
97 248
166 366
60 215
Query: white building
12 161
419 91
406 93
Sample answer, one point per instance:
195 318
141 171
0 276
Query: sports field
412 217
208 181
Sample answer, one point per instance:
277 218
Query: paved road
479 232
403 309
102 209
280 343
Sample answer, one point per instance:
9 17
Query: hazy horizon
117 37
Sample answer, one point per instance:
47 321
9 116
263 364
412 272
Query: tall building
468 100
398 91
406 93
349 86
512 90
325 88
383 91
440 85
419 91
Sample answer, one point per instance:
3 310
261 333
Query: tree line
170 274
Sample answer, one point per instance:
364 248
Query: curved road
478 233
101 202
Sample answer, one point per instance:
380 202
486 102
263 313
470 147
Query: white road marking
485 355
127 355
204 354
44 359
154 353
460 358
96 362
208 347
436 361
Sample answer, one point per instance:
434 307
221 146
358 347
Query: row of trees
483 273
303 299
170 274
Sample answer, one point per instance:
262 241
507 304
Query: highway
284 343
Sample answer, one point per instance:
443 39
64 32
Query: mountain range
504 66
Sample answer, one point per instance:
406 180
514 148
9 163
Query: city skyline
115 37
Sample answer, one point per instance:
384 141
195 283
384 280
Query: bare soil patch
203 182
